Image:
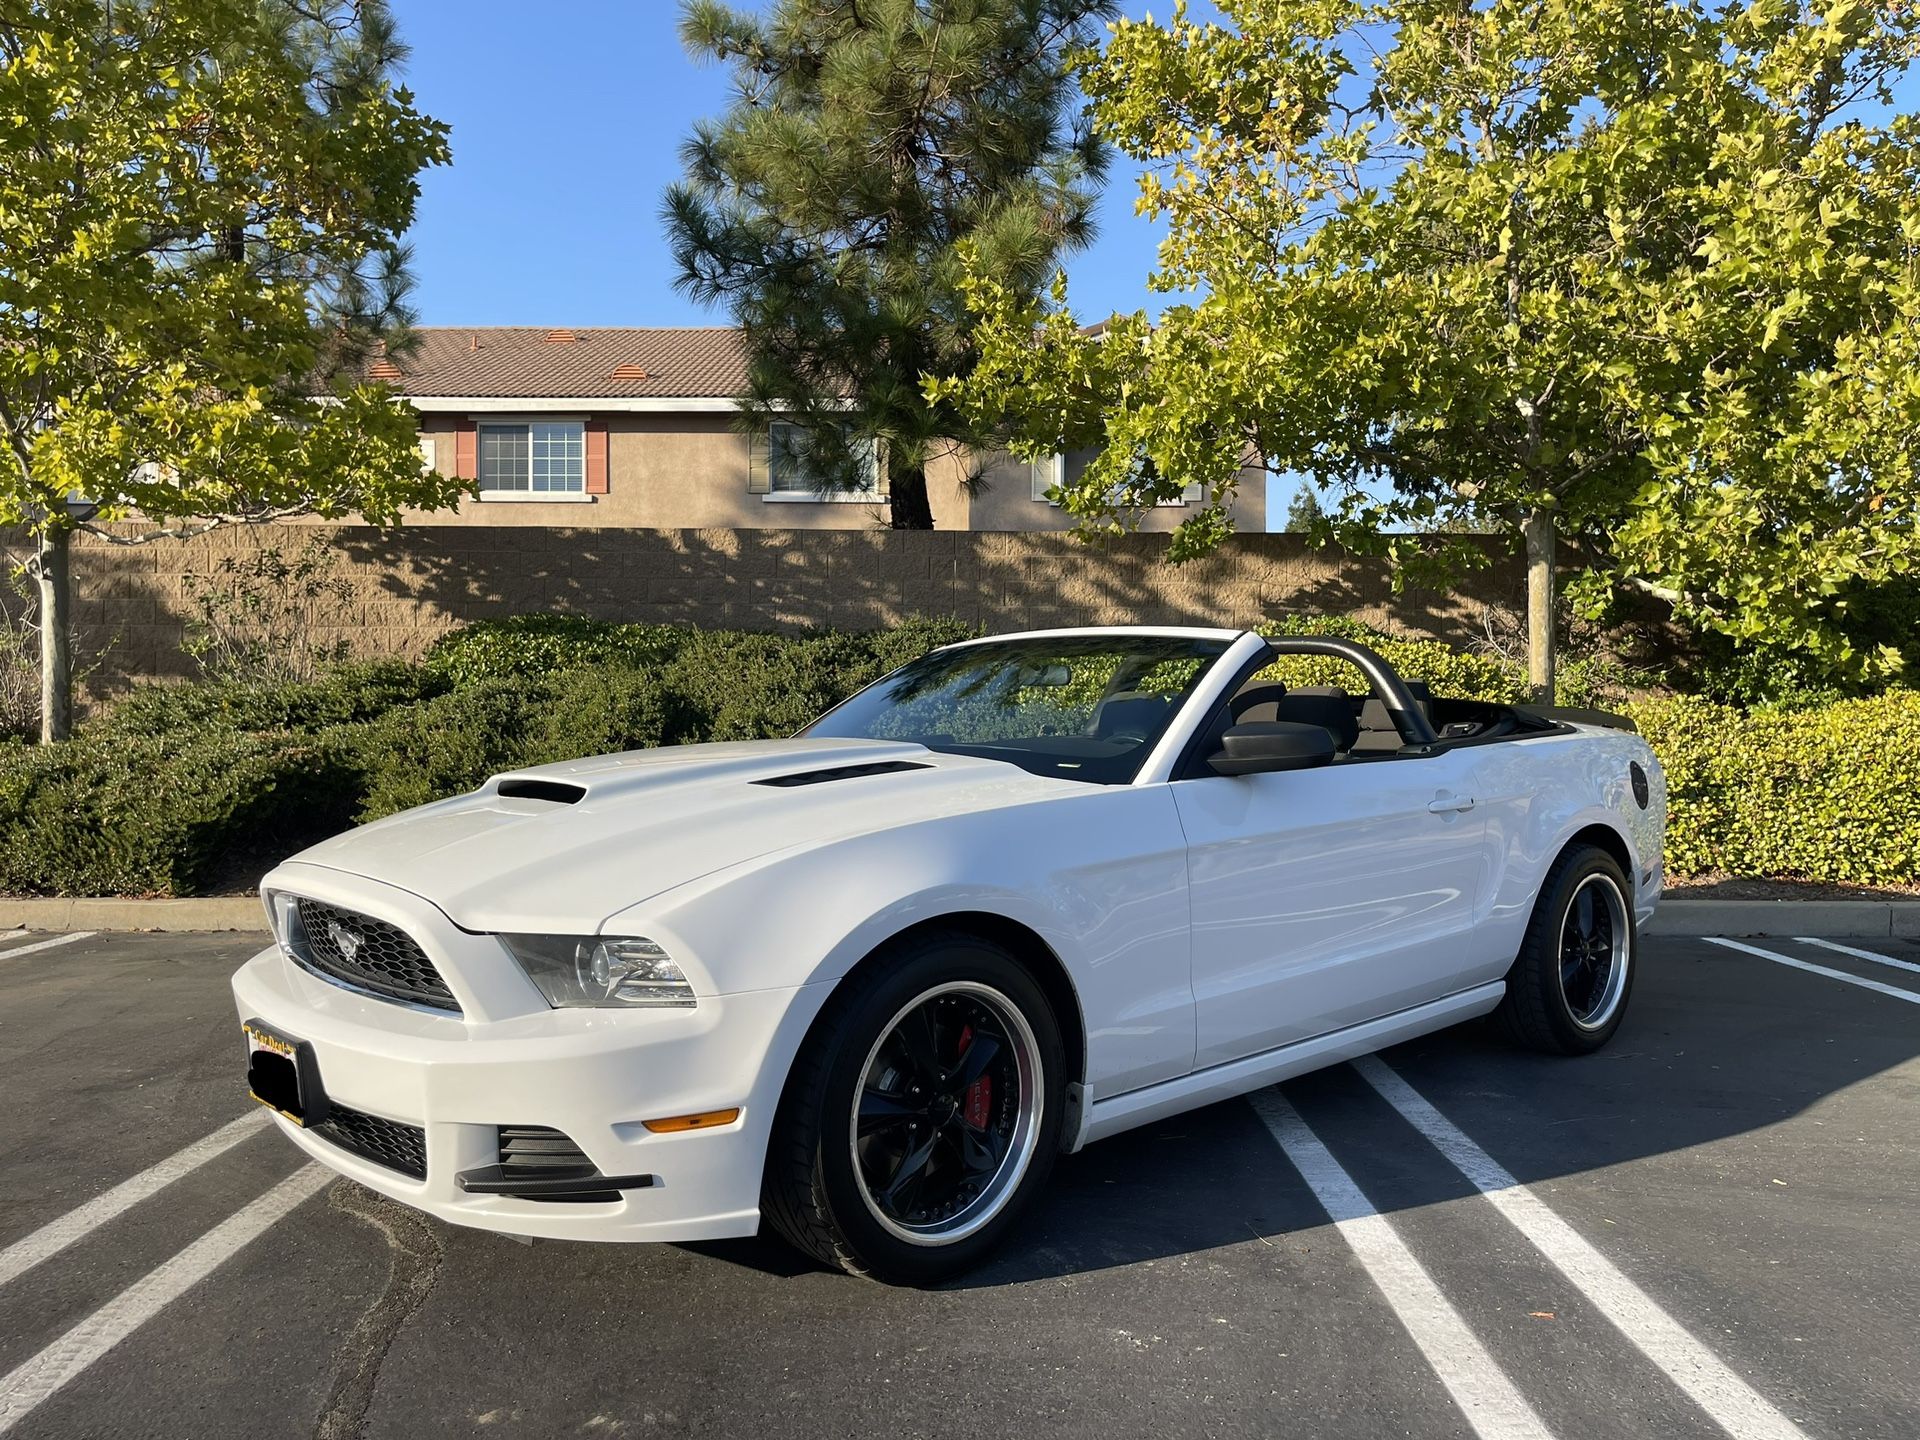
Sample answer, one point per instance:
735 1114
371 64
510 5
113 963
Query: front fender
1100 877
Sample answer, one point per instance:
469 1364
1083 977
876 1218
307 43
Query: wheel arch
1613 842
1026 945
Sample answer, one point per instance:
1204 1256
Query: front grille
368 954
529 1152
385 1142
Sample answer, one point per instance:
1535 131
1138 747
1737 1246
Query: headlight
284 910
598 970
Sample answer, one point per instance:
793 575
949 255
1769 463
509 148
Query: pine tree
1304 510
865 142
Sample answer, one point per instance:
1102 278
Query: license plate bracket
283 1074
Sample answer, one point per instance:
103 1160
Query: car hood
619 829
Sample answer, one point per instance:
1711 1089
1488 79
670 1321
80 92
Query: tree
1304 511
1644 275
200 208
866 142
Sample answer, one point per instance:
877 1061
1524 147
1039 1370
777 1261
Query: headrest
1374 716
1130 714
1326 706
1254 697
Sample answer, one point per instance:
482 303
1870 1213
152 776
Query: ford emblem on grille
348 940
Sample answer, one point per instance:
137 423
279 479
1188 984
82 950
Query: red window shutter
596 457
466 460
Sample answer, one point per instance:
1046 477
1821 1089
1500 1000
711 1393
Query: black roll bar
1391 689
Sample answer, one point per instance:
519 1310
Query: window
1053 471
1046 473
790 471
429 455
543 457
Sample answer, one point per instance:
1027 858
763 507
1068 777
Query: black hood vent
844 772
554 790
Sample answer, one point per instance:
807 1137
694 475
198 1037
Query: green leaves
188 196
1652 265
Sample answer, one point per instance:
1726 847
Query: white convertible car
864 984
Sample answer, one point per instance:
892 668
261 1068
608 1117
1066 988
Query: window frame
527 424
1057 463
871 495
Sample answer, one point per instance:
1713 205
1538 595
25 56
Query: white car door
1322 898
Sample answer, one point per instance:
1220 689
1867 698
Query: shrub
1830 794
524 645
258 616
600 712
345 695
441 746
165 816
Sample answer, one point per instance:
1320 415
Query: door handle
1448 804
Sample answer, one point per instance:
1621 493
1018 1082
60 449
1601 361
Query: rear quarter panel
1537 795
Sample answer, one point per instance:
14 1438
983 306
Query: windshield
1080 707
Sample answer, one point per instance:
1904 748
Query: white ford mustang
866 983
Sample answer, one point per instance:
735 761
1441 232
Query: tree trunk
1539 534
907 490
49 567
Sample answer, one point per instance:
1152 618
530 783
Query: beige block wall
689 471
407 586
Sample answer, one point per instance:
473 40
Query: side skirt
1102 1118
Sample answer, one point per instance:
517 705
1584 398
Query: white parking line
38 1378
1872 955
47 944
54 1236
1480 1388
1735 1406
1865 984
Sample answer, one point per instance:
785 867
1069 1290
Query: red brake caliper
980 1093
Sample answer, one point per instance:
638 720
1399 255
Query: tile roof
533 361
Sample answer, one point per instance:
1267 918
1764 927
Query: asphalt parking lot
1707 1229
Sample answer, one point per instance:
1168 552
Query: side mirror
1261 746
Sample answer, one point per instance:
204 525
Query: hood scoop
841 772
557 791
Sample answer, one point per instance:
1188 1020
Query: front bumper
594 1075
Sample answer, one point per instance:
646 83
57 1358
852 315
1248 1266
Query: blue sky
565 134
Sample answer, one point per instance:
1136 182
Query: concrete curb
1828 919
221 912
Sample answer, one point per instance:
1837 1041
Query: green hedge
168 816
1828 794
182 788
525 645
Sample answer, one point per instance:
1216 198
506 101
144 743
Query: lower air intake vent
540 1163
399 1147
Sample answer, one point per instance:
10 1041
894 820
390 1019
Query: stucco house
642 426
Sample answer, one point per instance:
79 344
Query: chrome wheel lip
1620 955
1021 1146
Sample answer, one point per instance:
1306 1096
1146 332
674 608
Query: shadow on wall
409 585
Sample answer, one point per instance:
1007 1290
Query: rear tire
1568 989
922 1113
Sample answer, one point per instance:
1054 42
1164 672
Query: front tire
1568 989
922 1114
